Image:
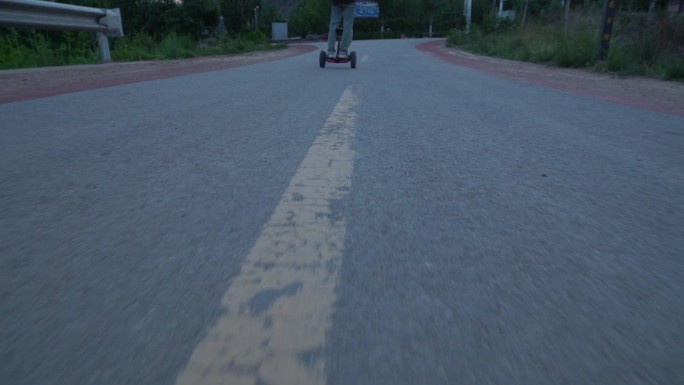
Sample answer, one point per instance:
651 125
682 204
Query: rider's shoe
343 54
331 53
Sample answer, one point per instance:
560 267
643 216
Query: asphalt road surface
411 221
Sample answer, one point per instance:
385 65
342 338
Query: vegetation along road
430 217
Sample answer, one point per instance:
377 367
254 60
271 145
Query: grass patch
144 47
622 60
41 49
176 47
640 45
672 69
575 50
21 49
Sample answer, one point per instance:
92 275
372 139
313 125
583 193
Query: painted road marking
279 307
364 58
462 53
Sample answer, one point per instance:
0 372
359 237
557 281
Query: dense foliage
408 17
643 43
193 18
154 29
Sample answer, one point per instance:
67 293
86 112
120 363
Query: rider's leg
348 32
335 16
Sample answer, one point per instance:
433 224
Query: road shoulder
646 93
32 83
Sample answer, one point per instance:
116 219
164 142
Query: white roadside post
467 12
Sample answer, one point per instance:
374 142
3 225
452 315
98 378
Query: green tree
202 16
239 14
310 16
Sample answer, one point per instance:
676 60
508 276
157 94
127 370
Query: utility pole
467 12
566 17
607 22
256 18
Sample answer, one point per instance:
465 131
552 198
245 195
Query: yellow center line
279 307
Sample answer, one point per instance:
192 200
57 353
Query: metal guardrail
64 17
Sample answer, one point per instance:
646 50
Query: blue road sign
367 9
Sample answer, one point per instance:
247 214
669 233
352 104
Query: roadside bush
457 38
20 49
576 50
622 59
641 45
175 47
14 53
494 24
651 37
673 69
254 37
139 46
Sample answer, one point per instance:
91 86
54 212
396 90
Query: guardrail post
112 19
103 42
